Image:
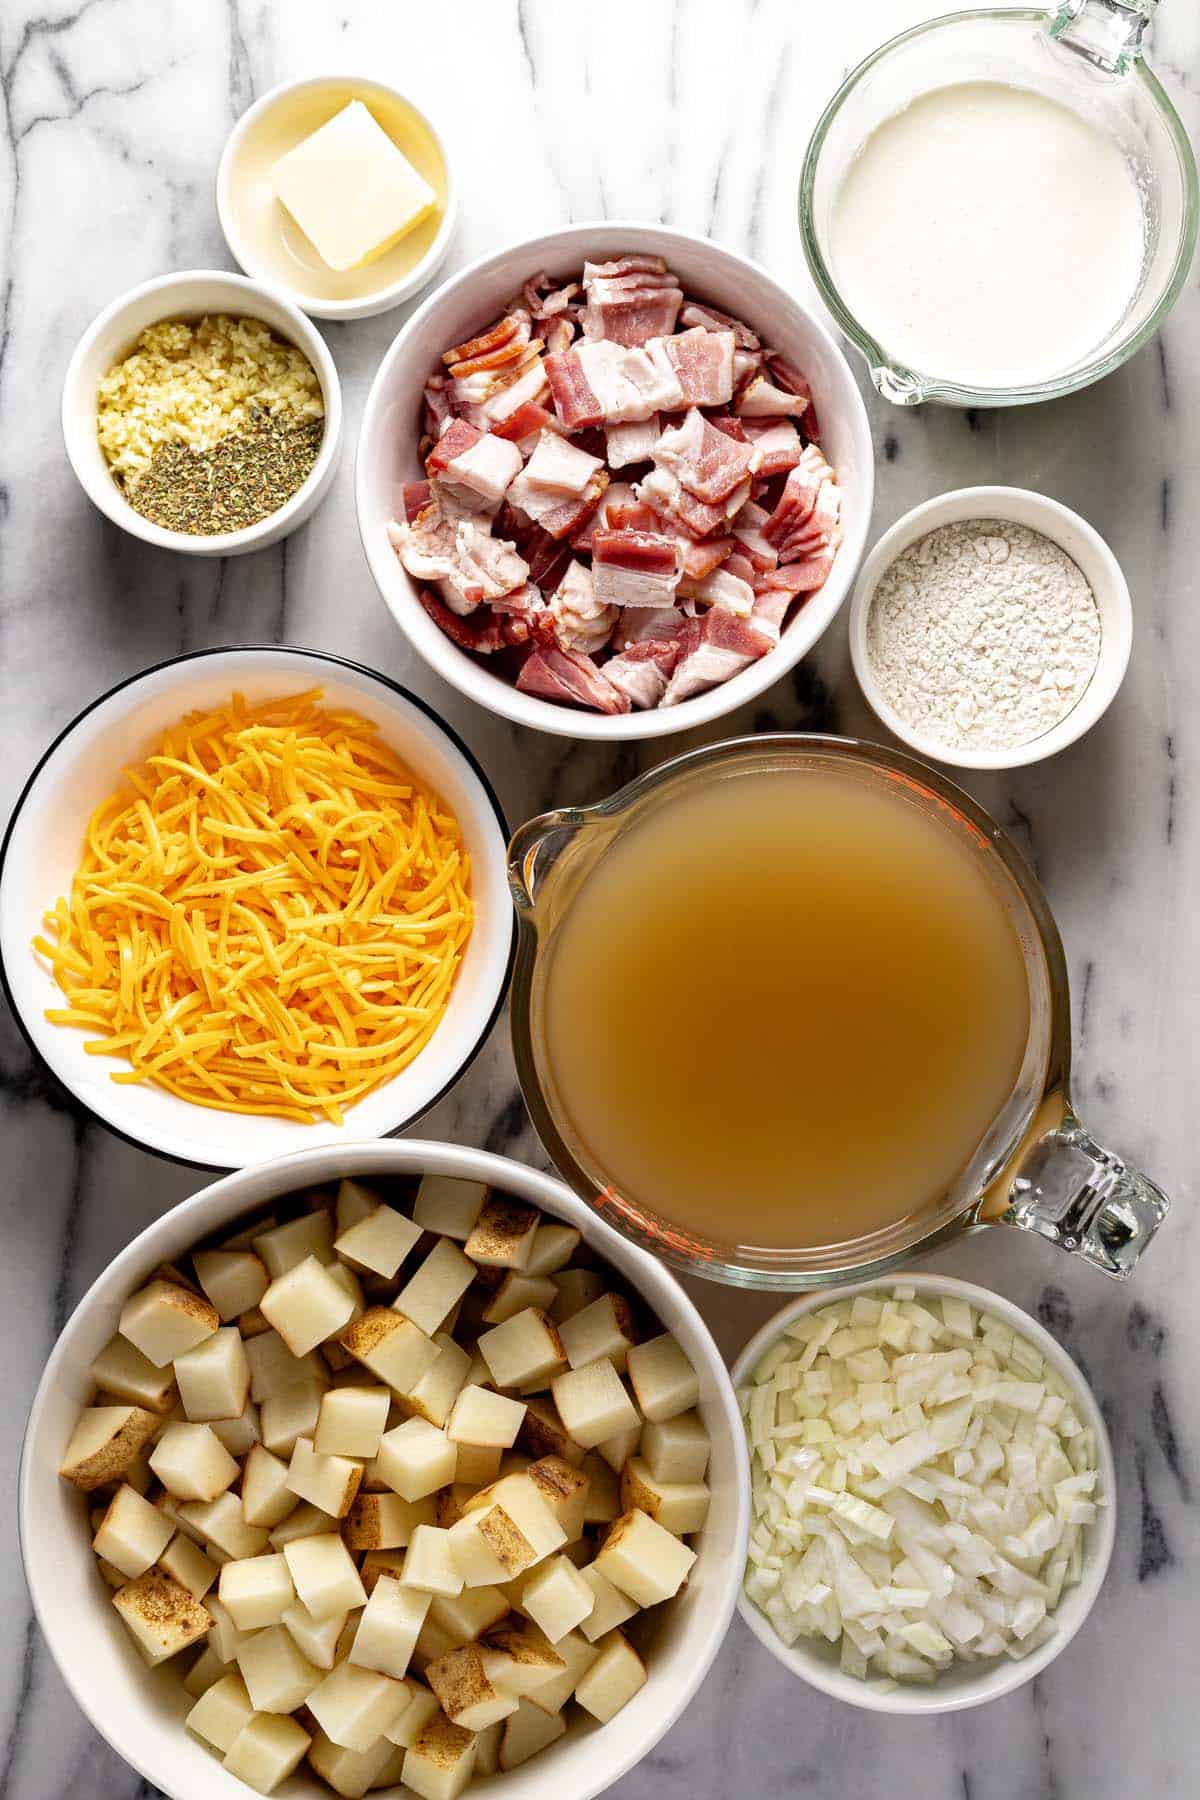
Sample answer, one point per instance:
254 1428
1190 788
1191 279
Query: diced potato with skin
605 1328
267 1751
133 1534
206 1671
214 1378
105 1444
663 1380
488 1548
389 1627
553 1247
677 1449
451 1503
286 1246
441 1760
377 1563
433 1642
517 1292
543 1433
385 1521
317 1639
644 1560
525 1348
252 1324
503 1234
192 1463
577 1288
528 1731
430 1564
123 1372
602 1503
352 1421
257 1591
355 1706
274 1371
613 1679
395 1350
478 1464
239 1435
448 1206
233 1280
469 1614
521 1662
355 1201
416 1459
306 1306
577 1657
557 1599
160 1615
163 1320
187 1564
437 1286
564 1489
434 1395
266 1497
483 1417
526 1506
610 1607
380 1242
224 1637
422 1707
351 1773
307 1521
221 1522
464 1691
285 1418
324 1575
221 1713
330 1482
680 1506
592 1403
278 1676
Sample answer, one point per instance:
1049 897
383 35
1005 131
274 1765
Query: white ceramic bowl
963 1684
1085 546
141 1712
235 166
41 852
112 335
387 453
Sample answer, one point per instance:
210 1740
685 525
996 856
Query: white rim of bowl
437 1158
912 1702
989 502
565 721
107 496
457 743
363 306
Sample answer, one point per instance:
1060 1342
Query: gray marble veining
696 112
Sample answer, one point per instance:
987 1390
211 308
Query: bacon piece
502 343
720 588
661 490
457 437
795 506
527 421
482 634
560 467
631 515
787 376
437 404
635 568
778 443
760 399
483 568
712 649
558 513
544 300
474 468
414 498
632 442
582 621
697 313
425 544
503 398
574 401
630 301
574 680
600 382
639 624
700 559
771 608
723 421
706 462
703 363
642 671
797 577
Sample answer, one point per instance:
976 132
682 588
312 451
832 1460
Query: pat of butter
350 190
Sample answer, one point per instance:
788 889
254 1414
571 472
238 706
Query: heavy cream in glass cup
790 1006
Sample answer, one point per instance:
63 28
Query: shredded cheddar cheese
269 915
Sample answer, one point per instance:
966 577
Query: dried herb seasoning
243 478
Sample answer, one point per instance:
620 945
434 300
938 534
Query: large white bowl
141 1712
41 851
391 427
963 1684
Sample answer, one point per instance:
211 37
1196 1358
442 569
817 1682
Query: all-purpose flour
983 635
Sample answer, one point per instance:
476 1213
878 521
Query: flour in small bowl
983 635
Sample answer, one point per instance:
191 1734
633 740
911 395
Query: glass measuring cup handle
1085 1199
1108 33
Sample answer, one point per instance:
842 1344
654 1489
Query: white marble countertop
696 112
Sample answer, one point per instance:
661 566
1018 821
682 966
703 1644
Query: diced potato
266 1497
577 1657
222 1523
233 1280
680 1506
610 1607
160 1615
432 1642
451 1504
307 1521
345 1278
287 1417
133 1534
644 1560
448 1206
592 1403
503 1234
355 1201
516 1293
430 1564
266 1751
192 1463
239 1435
394 1349
613 1679
524 1349
483 1417
468 1615
521 1662
214 1378
477 1465
440 1282
352 1421
602 1503
206 1671
487 1748
604 1328
324 1575
528 1731
306 1306
464 1691
163 1320
221 1713
422 1707
663 1380
488 1548
543 1433
278 1677
353 1773
389 1627
123 1372
317 1639
553 1247
106 1443
252 1324
187 1564
355 1706
677 1449
257 1591
274 1371
527 1508
224 1637
564 1489
577 1288
330 1482
286 1246
434 1395
385 1521
416 1459
557 1599
379 1242
440 1761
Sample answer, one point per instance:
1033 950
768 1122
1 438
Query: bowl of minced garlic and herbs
269 914
210 425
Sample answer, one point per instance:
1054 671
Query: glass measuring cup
1036 1167
1086 54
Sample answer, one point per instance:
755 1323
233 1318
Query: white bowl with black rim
44 840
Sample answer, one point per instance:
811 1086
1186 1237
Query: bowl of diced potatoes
381 1465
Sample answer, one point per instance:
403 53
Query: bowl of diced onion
933 1493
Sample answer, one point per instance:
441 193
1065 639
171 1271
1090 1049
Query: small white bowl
141 1712
1083 544
963 1684
189 295
41 851
246 159
391 428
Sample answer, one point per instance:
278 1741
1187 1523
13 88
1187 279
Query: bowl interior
387 454
963 1684
141 1712
42 853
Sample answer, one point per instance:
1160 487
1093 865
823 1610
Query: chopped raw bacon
795 506
631 442
437 404
771 608
558 513
574 401
723 421
701 558
457 437
787 376
664 492
746 364
544 300
760 399
639 624
713 648
476 475
560 466
778 443
582 621
482 633
630 515
564 675
559 334
703 362
635 568
630 301
504 342
414 498
709 319
527 421
642 671
706 462
797 577
504 398
721 588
